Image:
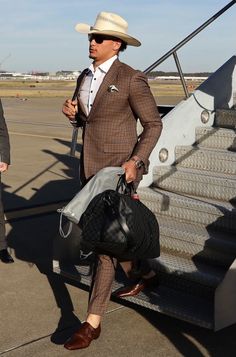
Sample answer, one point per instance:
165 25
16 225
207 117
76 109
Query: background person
111 97
4 162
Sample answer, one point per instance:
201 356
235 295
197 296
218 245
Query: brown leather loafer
83 337
135 289
130 290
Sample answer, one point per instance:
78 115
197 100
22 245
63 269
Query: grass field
64 89
36 89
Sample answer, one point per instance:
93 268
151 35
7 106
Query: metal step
190 240
206 159
167 300
225 118
202 211
195 182
187 273
216 138
174 303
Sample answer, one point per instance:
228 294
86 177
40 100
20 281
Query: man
111 96
4 162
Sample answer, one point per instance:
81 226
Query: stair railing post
181 75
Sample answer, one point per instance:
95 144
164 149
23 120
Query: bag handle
124 187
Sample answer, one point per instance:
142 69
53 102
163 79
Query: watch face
139 164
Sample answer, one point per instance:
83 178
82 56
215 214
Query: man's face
103 47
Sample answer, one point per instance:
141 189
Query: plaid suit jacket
110 130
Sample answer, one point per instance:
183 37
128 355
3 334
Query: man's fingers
129 178
70 108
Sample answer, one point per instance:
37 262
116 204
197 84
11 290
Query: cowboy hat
111 24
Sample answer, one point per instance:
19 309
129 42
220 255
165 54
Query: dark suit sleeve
4 139
144 106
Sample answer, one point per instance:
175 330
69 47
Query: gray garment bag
105 179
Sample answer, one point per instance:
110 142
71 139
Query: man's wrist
137 161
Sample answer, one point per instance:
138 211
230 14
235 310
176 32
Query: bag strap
61 231
79 80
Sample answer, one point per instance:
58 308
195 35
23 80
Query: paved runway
40 309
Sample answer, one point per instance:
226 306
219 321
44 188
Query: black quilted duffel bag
116 224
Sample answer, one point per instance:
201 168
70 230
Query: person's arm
4 142
144 106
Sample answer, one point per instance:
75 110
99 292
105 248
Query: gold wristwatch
138 163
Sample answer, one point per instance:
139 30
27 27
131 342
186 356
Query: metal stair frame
179 129
225 297
179 125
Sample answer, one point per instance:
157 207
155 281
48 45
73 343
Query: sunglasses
100 38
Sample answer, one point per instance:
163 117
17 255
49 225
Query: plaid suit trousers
102 285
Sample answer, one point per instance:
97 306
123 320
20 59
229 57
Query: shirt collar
105 66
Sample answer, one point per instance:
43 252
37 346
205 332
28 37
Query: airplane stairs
194 199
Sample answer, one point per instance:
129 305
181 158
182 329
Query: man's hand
130 171
3 166
70 109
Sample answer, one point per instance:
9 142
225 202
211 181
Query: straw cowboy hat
111 24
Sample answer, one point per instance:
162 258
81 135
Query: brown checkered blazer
110 133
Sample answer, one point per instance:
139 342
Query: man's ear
116 45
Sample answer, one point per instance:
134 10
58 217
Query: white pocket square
113 88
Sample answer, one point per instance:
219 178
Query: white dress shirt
92 82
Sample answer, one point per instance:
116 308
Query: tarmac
41 309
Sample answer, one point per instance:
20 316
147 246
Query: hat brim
86 29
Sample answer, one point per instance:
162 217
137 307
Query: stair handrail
174 50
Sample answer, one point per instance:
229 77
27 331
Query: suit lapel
80 81
109 79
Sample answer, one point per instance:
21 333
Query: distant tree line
195 74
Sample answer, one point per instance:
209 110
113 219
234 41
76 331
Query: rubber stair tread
226 111
216 137
211 213
196 232
166 263
162 299
203 273
196 182
217 130
205 158
199 231
187 250
222 154
225 118
176 304
205 174
206 204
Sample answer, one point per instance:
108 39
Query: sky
39 35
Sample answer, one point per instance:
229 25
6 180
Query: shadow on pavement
32 238
188 339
